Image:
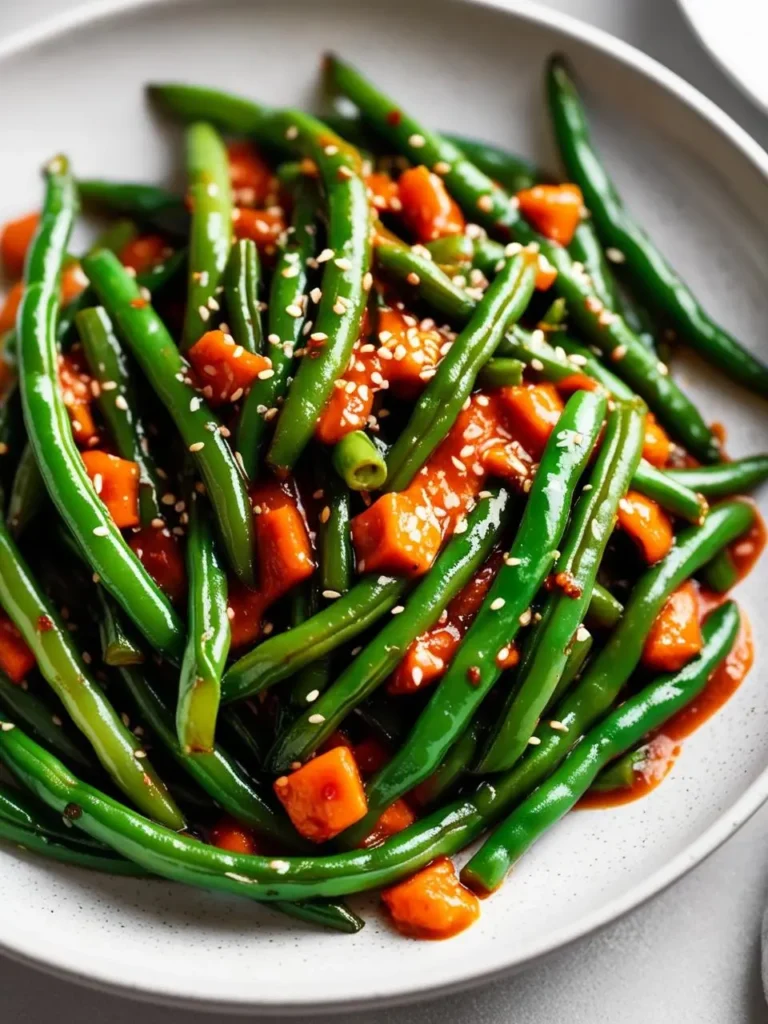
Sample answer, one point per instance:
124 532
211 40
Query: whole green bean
479 661
454 567
282 655
604 609
149 205
670 492
359 463
574 573
65 672
50 434
118 403
335 549
618 732
406 264
649 271
155 351
28 493
724 479
440 403
512 172
242 281
210 235
289 283
63 850
208 634
490 206
722 573
454 766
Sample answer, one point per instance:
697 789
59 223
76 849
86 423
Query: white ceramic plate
735 35
701 187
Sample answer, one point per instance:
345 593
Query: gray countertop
693 952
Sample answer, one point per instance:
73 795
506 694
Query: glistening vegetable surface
383 455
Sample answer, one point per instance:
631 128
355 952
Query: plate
701 187
735 34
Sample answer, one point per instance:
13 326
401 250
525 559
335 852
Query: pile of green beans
544 693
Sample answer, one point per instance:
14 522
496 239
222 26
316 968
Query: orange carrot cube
11 307
263 226
228 834
284 550
413 353
16 238
73 282
395 818
225 370
16 659
432 904
392 537
117 484
649 526
383 192
428 210
160 554
144 252
531 412
554 210
75 386
656 444
325 796
675 636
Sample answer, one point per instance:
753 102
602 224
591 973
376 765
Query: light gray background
692 954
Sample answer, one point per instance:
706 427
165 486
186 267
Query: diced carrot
656 444
75 386
263 226
546 273
245 609
144 252
647 524
117 484
160 554
430 654
413 352
250 174
395 818
503 461
554 210
383 192
351 400
432 904
228 834
16 659
391 537
11 307
428 210
73 282
14 242
531 411
371 754
576 382
324 796
284 550
225 370
675 636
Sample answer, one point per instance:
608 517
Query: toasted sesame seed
316 719
204 313
291 132
294 310
525 618
140 754
367 280
615 255
397 609
331 594
534 741
6 726
582 634
618 353
441 167
343 263
325 514
485 203
416 141
265 374
100 531
325 255
197 446
497 603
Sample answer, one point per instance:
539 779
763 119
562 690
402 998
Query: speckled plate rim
54 959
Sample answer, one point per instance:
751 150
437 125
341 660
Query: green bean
359 463
574 573
27 493
50 434
604 609
650 272
64 670
722 573
454 766
289 283
479 660
574 663
118 646
618 732
119 405
725 479
208 634
335 560
501 373
451 250
407 265
155 351
241 292
280 656
453 569
440 403
154 207
621 773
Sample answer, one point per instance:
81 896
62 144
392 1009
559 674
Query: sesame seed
316 719
417 675
291 132
416 141
525 618
312 696
497 603
367 280
534 741
331 594
109 385
413 278
485 203
502 656
343 263
100 531
582 634
441 167
204 313
325 255
265 374
536 364
339 308
618 353
140 754
294 310
397 609
197 446
325 515
6 726
615 255
292 271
